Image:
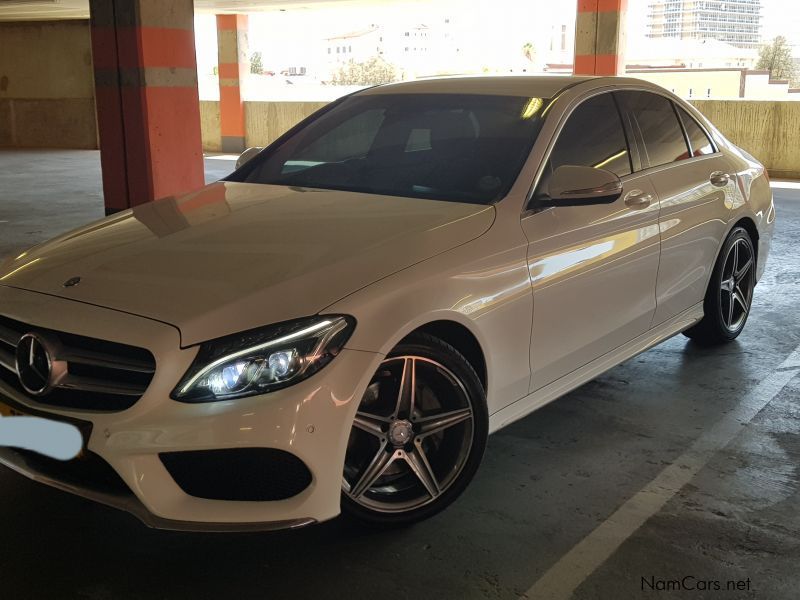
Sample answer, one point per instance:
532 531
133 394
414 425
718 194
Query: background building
737 22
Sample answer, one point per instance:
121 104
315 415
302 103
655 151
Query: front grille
238 474
100 375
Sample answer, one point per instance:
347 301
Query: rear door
696 186
593 268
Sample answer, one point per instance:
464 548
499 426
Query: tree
776 57
256 66
373 71
529 50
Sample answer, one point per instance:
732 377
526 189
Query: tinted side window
663 139
593 137
697 137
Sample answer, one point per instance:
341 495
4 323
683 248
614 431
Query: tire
409 456
730 292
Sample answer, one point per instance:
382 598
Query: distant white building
689 53
416 49
357 46
737 22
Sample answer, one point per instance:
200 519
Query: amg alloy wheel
418 436
730 292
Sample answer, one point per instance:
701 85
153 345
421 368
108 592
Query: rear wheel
418 436
730 292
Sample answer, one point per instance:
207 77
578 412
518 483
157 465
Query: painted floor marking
564 577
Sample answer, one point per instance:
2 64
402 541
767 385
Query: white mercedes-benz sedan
341 323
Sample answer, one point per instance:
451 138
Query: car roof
537 86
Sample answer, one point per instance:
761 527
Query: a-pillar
148 112
600 37
234 65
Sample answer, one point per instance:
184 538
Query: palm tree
529 51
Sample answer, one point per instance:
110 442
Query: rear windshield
464 148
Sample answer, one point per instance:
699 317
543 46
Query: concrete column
600 37
234 65
148 111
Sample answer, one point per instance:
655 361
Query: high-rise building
736 22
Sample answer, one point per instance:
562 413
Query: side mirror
247 155
579 186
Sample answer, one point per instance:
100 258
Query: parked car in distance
341 322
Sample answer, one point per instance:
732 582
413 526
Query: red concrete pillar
148 111
600 37
234 64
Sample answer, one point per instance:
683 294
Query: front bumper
310 421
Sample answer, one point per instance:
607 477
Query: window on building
563 37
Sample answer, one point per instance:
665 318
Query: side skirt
589 371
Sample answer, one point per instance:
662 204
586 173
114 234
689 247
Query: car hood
235 256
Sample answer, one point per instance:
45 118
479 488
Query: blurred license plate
84 428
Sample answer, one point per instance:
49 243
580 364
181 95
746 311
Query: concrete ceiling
33 10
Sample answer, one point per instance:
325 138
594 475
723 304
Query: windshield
464 148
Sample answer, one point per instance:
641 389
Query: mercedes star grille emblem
34 365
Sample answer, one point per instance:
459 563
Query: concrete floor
680 462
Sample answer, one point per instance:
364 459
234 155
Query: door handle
638 199
719 179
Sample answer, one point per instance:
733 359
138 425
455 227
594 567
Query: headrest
451 128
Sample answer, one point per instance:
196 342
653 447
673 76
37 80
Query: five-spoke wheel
730 291
418 435
736 288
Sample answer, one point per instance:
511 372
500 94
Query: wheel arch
746 223
462 339
749 226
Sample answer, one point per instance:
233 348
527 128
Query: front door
593 268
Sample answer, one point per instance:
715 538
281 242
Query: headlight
263 360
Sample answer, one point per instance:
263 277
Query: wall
267 121
758 86
46 85
767 129
716 83
209 125
722 83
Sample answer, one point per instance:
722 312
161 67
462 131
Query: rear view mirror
571 185
247 155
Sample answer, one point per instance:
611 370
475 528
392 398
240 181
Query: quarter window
593 137
697 137
659 128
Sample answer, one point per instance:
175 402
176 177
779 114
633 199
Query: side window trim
685 133
634 152
636 131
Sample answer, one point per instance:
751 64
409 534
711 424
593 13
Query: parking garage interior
679 463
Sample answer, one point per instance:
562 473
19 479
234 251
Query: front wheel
730 292
418 436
